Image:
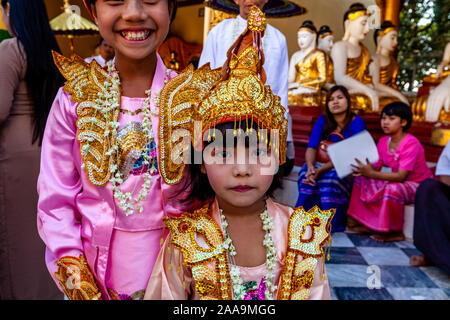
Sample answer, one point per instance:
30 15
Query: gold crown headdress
382 33
233 93
357 14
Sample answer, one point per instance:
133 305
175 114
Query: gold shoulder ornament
86 83
209 264
302 254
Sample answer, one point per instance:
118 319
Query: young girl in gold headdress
240 244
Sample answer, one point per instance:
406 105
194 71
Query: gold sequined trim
303 254
132 113
209 264
84 83
76 279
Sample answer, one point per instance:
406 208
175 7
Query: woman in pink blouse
378 197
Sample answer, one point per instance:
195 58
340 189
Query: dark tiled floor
363 269
350 293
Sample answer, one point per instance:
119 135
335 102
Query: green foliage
423 33
4 35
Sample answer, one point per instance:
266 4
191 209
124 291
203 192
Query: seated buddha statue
351 60
325 42
307 69
385 67
435 106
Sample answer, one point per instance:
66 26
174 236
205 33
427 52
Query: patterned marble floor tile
405 244
347 275
417 294
411 252
340 239
447 291
439 276
333 294
384 256
362 294
363 240
405 277
346 256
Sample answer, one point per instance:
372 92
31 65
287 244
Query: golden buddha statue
307 69
173 63
385 66
435 106
351 60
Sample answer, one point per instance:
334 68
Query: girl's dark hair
355 7
386 24
309 25
330 122
198 183
29 24
172 16
401 110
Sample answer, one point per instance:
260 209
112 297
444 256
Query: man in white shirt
106 53
276 65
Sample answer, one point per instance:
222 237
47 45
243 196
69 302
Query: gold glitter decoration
202 260
76 279
295 281
256 20
199 96
357 14
84 83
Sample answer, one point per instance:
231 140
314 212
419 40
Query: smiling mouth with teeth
136 35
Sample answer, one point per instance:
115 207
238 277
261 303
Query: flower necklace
235 273
109 99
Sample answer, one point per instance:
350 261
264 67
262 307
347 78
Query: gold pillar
2 25
392 11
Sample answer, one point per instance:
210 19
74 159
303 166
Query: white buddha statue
351 60
307 69
438 102
384 68
325 42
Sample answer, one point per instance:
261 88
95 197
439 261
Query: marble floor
363 269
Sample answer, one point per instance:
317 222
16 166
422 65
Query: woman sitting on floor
318 183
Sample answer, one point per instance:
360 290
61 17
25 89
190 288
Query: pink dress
379 204
77 218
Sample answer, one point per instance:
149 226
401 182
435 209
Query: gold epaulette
85 82
208 263
303 254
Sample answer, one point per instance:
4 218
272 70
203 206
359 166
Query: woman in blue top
318 183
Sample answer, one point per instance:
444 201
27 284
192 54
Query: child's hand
361 169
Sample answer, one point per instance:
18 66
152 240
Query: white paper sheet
359 146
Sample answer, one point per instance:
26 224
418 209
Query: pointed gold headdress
233 93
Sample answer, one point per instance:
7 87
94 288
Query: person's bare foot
419 260
390 236
359 229
351 222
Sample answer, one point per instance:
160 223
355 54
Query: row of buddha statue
320 63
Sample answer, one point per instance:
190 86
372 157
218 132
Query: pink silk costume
379 204
76 218
172 280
